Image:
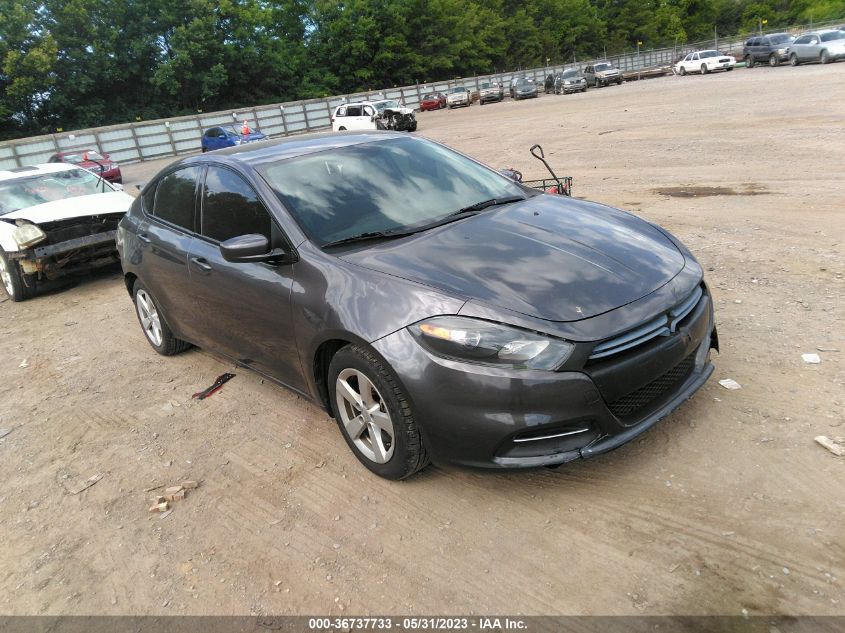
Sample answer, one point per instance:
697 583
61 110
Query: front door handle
143 237
201 263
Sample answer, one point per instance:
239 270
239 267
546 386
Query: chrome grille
663 325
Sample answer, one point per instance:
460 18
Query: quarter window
230 207
175 196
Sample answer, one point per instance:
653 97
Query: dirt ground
727 506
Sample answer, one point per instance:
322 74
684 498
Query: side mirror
252 248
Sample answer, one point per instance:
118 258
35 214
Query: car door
813 48
799 47
212 138
353 117
366 121
165 234
242 309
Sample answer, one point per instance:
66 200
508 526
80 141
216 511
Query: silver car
458 96
490 92
820 46
570 80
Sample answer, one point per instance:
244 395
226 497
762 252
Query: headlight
486 343
782 51
27 235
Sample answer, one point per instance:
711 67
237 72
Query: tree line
69 64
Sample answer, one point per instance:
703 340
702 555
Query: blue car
227 136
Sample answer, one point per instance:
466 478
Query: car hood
254 136
609 71
80 206
547 257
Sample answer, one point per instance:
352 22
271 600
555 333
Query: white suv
387 114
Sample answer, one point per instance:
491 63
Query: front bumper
486 417
567 88
70 256
452 103
492 96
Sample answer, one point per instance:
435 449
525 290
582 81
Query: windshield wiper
492 202
363 237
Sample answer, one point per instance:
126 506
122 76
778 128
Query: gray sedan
820 46
435 308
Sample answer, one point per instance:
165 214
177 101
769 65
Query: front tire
774 60
152 321
703 69
824 57
18 285
793 60
374 414
341 129
682 71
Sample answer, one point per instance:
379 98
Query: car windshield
429 97
833 35
230 130
780 39
390 103
79 158
458 89
705 54
524 82
22 193
570 74
600 67
394 185
485 85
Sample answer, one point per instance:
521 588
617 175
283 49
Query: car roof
270 151
35 170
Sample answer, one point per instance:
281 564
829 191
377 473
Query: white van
387 114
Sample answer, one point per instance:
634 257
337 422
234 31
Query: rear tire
793 60
341 129
153 323
18 285
682 71
374 414
749 61
774 60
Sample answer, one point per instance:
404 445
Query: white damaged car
55 220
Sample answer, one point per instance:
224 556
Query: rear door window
175 198
231 207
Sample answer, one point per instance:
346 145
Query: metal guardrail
146 140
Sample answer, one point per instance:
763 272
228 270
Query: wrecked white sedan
55 220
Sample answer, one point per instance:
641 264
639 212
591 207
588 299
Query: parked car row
816 46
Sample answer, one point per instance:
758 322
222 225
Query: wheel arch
129 279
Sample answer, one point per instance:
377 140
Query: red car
433 101
92 160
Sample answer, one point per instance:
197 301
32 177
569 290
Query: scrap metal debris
221 380
5 432
812 359
84 485
830 445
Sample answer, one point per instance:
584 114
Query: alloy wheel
364 415
148 315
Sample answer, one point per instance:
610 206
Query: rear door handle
143 237
201 263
